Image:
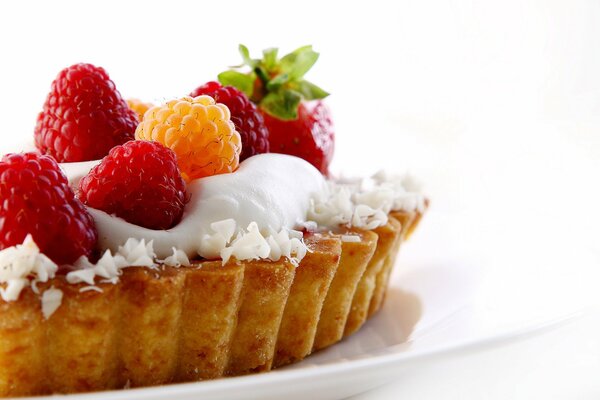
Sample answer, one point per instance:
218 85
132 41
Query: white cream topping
75 171
269 193
271 190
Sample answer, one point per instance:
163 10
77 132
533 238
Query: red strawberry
139 182
297 125
37 200
310 136
84 116
247 120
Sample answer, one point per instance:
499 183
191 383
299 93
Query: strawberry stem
277 85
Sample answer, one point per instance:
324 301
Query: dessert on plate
196 239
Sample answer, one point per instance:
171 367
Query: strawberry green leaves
309 90
277 85
246 56
269 59
283 105
243 82
298 62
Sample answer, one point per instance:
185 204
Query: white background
495 106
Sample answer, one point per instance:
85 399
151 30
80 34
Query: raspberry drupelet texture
84 116
139 107
244 115
138 181
37 200
200 133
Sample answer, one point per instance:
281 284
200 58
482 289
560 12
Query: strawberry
298 121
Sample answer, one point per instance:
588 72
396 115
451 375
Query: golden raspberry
200 133
139 107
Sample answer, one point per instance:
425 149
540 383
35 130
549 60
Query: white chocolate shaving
350 238
177 259
51 300
134 253
252 244
364 203
22 264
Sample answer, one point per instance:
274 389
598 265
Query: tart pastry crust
164 325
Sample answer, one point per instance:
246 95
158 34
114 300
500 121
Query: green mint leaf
243 82
246 56
282 105
309 91
269 58
298 62
274 84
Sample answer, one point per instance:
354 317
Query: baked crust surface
164 325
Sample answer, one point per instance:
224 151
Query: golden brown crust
408 223
211 301
353 262
206 321
383 276
303 308
387 235
264 294
149 313
22 338
413 225
81 336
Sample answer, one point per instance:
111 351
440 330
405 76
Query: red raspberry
37 200
139 182
84 116
247 120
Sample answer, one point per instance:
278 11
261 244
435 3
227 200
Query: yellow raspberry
139 107
200 133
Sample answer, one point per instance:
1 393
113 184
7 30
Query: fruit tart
196 239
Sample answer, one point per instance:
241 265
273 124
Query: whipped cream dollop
273 191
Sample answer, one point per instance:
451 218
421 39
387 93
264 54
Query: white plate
432 311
